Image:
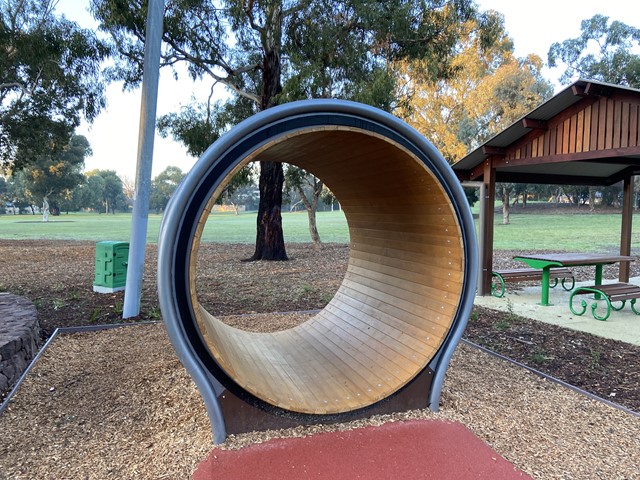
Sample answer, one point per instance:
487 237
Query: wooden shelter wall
592 125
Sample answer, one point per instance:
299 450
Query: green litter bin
111 266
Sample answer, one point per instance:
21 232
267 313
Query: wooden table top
576 259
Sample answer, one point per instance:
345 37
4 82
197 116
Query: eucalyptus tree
605 50
51 178
163 186
267 52
111 196
50 77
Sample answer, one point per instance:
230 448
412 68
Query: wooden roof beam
578 91
493 151
534 124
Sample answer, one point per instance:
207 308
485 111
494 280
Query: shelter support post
482 200
486 222
627 218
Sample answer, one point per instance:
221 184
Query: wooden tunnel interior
397 301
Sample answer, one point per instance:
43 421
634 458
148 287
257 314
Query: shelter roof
587 134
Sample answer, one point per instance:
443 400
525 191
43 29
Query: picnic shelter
588 134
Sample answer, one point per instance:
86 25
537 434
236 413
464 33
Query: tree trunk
313 229
312 208
505 206
269 235
45 210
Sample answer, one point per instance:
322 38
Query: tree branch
248 9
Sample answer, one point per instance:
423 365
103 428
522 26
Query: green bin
111 266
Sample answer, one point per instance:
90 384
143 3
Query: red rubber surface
405 450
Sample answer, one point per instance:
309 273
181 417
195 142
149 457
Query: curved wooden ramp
410 281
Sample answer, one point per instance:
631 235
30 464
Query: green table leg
545 286
597 296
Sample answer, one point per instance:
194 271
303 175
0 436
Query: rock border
19 338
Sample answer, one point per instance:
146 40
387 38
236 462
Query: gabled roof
587 134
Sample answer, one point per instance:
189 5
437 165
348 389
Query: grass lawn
569 231
221 227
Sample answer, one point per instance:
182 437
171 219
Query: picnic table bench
612 292
528 274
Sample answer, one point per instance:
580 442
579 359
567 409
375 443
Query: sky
114 134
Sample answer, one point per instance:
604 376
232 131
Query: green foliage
89 194
108 190
52 176
49 79
603 51
163 186
315 48
267 52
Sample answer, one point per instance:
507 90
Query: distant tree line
444 66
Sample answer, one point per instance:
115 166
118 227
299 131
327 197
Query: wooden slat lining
441 267
435 292
310 338
323 379
440 313
248 367
414 280
434 325
399 220
368 365
302 388
295 354
218 334
410 302
314 372
440 271
418 339
410 172
381 192
291 390
411 240
320 375
260 358
363 197
414 234
404 261
336 373
415 207
268 379
371 357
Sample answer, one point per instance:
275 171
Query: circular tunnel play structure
410 282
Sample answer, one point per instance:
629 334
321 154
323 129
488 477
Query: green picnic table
547 261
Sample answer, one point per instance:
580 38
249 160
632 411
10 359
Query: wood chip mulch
118 404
